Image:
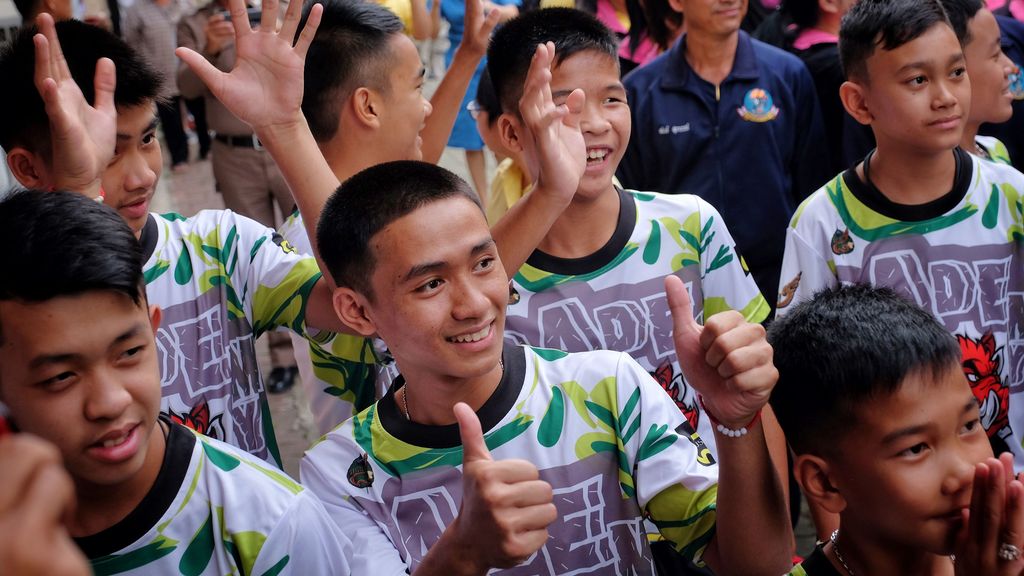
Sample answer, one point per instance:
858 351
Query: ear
815 476
366 106
676 6
828 6
855 101
509 130
352 308
29 168
155 316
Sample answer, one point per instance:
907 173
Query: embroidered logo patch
360 473
1017 84
758 106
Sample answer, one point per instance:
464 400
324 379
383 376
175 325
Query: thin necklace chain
405 391
834 538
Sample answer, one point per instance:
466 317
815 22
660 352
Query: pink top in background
811 37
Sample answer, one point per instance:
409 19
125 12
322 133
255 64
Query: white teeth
474 337
597 154
115 442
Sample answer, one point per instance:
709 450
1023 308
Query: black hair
888 24
28 9
25 122
65 244
844 347
366 203
960 13
513 45
803 13
487 99
660 21
350 50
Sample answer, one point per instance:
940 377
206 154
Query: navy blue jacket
754 151
1011 132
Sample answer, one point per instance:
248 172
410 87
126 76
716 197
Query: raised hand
82 136
477 27
995 518
555 149
728 360
506 508
264 89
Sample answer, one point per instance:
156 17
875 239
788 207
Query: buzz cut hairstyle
885 24
25 121
844 347
350 50
513 45
369 201
960 14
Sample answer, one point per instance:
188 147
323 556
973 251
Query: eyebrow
565 93
958 57
50 359
428 267
896 435
152 127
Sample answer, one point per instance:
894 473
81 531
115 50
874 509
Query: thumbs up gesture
728 360
506 508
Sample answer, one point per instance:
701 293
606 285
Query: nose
107 398
428 108
960 473
138 175
592 119
1008 66
470 301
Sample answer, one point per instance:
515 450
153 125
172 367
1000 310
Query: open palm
264 89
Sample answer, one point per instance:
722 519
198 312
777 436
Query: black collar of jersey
150 234
496 407
604 255
818 564
873 198
177 455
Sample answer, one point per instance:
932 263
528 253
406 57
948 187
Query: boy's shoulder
242 473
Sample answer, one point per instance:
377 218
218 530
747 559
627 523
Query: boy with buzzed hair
79 367
989 70
221 279
886 434
596 279
485 454
919 214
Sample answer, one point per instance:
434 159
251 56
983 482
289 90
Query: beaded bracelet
722 427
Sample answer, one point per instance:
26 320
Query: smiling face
129 181
81 371
905 470
439 291
918 95
406 110
605 121
990 71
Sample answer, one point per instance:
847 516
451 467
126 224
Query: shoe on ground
281 379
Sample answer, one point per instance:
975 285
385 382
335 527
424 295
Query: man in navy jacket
734 121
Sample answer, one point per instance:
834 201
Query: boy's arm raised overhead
264 89
555 140
448 96
729 362
82 136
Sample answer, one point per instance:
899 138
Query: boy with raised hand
274 110
919 214
485 454
221 279
989 70
887 435
596 279
79 367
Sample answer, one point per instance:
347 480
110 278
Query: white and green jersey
215 510
339 371
613 446
614 299
958 256
221 280
994 148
